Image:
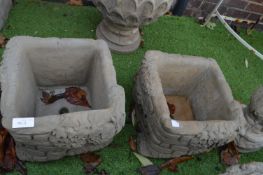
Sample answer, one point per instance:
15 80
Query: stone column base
119 38
5 6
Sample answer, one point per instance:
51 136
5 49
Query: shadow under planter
31 65
204 113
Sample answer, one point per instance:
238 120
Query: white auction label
175 124
23 122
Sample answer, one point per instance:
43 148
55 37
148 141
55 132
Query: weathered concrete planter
216 114
250 136
5 6
253 168
122 19
32 64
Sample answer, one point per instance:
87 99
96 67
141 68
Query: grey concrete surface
31 64
216 114
253 168
5 6
250 137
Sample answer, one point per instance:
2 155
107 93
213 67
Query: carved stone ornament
122 19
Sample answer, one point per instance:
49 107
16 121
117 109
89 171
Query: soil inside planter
60 106
183 109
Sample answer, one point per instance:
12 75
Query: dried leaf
230 155
246 63
3 41
172 108
132 143
144 161
3 135
48 98
76 96
211 25
171 165
173 168
73 95
91 158
10 158
10 161
91 161
75 2
149 170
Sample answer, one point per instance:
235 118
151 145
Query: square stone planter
31 65
207 115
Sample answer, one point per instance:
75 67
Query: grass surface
169 34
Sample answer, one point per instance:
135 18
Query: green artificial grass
180 35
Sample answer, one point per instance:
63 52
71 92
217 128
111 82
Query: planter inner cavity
179 107
60 106
205 113
48 71
35 65
194 89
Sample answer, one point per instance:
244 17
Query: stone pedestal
119 38
31 65
122 19
5 6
